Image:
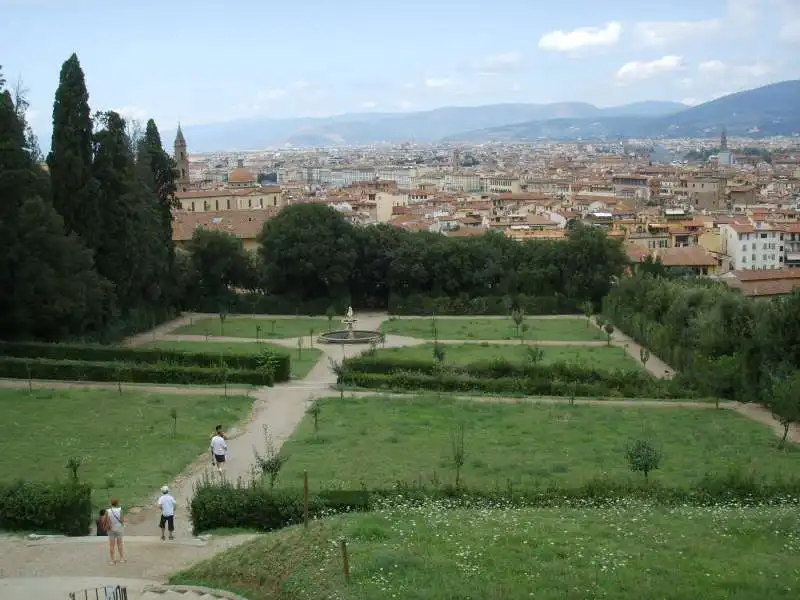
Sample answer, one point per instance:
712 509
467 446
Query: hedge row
131 354
250 505
502 376
252 303
463 304
77 370
46 507
525 386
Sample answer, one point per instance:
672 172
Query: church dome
241 175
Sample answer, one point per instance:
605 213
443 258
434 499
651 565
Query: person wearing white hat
167 504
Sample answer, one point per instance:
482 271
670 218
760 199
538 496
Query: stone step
175 592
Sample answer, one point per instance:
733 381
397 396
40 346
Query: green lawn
302 362
377 441
598 357
245 327
564 330
126 439
428 553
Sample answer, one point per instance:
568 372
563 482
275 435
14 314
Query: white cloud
437 82
662 33
637 70
690 101
516 87
790 32
711 66
300 85
567 41
131 113
368 104
498 62
404 104
738 20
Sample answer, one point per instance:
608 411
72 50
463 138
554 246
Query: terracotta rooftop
272 189
770 282
244 224
687 256
467 232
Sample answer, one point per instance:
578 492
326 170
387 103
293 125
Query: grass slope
125 439
428 553
602 357
378 441
564 330
301 366
245 327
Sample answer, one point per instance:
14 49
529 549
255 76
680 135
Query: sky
214 61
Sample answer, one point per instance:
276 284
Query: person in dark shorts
167 504
102 523
217 432
219 447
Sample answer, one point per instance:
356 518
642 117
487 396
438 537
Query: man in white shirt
167 504
218 448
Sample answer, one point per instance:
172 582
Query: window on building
763 236
216 204
249 203
228 201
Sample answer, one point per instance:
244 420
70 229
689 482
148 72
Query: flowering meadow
430 551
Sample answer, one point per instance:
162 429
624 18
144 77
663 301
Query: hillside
366 128
431 553
765 111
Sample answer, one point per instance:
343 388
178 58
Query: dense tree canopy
48 286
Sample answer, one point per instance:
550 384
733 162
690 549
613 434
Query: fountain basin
350 336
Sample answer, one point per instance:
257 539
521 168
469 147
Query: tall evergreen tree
70 158
121 253
48 286
158 172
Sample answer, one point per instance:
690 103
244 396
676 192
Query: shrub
46 507
130 354
221 504
502 376
250 505
76 370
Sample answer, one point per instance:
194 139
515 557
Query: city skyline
200 63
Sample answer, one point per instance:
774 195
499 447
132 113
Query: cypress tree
70 158
129 244
157 171
48 286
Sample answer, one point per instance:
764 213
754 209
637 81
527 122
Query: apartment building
701 193
750 247
632 187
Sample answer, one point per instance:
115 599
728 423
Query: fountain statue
349 320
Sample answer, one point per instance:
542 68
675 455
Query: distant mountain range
370 128
770 110
766 111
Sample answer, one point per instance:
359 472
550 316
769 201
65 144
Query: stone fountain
350 335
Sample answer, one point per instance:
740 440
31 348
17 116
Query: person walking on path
116 527
167 504
217 432
219 447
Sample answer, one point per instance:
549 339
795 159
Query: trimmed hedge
76 370
463 304
501 376
253 303
46 507
250 505
96 353
526 386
